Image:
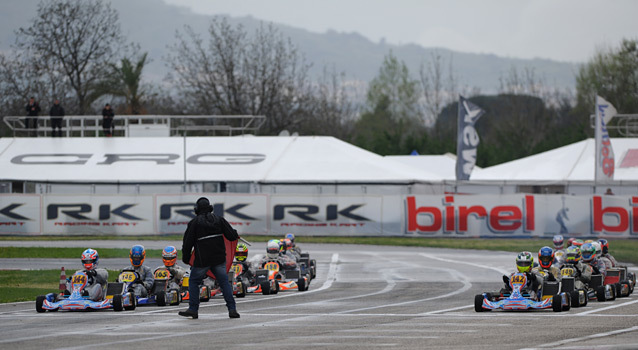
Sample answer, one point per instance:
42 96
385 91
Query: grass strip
68 253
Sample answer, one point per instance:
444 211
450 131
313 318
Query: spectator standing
33 110
107 120
609 192
56 113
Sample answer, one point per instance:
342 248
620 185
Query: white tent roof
313 159
573 162
444 166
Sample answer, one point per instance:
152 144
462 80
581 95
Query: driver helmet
558 242
578 242
241 252
572 255
588 252
599 249
524 262
546 257
291 237
287 244
605 245
570 242
169 256
272 248
90 259
137 255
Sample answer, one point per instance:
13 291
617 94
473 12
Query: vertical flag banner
605 161
467 138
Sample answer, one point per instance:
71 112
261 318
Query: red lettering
505 218
530 218
413 213
464 212
449 213
599 215
634 214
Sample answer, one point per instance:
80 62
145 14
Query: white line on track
591 336
605 308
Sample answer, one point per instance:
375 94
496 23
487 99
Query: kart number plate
568 272
162 274
519 279
271 266
127 276
237 269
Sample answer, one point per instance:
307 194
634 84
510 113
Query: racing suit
142 286
611 258
598 267
582 274
285 262
534 283
95 283
607 262
551 274
177 275
247 271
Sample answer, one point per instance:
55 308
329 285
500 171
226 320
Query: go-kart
238 280
594 289
286 279
159 294
310 263
78 301
518 299
621 279
205 291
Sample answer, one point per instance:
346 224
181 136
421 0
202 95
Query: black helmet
203 206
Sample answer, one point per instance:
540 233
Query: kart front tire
478 303
265 288
575 298
557 303
118 305
160 298
569 302
39 300
600 293
276 287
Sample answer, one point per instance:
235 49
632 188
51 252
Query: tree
438 90
232 73
393 121
612 74
125 81
78 40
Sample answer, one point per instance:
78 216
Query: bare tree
232 73
77 40
438 90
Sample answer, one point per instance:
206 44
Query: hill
153 25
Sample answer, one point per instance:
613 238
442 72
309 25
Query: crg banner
518 215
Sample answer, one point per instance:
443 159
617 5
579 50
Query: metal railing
138 125
625 124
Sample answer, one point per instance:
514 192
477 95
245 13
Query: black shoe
233 314
85 293
188 313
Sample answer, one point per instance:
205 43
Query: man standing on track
204 237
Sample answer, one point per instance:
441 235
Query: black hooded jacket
205 237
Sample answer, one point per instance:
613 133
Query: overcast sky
564 30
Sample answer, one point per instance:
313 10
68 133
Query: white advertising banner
516 215
20 214
96 214
327 215
248 214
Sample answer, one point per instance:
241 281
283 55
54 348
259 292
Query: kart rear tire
301 285
276 288
39 300
557 303
478 303
160 298
117 302
175 292
575 298
569 302
205 296
600 293
133 303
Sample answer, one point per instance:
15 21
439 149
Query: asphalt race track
364 297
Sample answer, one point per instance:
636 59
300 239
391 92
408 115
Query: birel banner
248 214
517 215
521 215
96 214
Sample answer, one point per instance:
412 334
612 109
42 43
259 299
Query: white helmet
599 249
272 249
